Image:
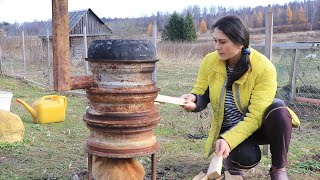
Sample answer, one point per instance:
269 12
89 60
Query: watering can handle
65 101
42 99
54 97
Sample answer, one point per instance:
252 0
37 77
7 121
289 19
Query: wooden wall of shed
77 54
77 46
94 26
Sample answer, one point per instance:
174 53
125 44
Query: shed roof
74 18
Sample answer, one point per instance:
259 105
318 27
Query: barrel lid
118 49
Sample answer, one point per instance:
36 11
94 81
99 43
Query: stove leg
153 165
89 166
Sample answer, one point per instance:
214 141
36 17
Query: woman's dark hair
233 27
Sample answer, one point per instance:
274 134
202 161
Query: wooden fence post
294 68
268 50
1 71
268 35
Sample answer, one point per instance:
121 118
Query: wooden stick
214 170
170 99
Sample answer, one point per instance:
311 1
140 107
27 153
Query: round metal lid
117 49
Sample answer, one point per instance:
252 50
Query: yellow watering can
47 109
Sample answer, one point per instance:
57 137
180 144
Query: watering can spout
29 108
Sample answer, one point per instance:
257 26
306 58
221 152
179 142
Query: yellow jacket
254 92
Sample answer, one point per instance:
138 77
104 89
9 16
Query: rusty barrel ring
122 120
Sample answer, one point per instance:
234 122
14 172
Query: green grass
56 151
307 167
49 150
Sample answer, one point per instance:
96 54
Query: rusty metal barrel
121 114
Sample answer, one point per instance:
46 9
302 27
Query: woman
240 83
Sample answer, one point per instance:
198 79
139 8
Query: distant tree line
29 28
294 16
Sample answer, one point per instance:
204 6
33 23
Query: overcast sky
29 10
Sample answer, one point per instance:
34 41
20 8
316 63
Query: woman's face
227 49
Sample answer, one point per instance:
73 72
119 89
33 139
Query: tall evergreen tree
260 19
255 18
302 17
174 30
278 20
295 15
190 33
288 15
179 28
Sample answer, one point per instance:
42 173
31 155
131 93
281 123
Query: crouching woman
240 84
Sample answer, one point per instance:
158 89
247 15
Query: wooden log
308 100
200 176
214 170
228 176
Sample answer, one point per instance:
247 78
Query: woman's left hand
189 104
222 148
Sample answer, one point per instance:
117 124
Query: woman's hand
190 99
222 148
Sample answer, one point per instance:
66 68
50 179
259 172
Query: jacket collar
220 67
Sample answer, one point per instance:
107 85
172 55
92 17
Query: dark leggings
275 130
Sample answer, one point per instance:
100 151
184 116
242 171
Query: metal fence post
24 57
85 44
49 60
154 38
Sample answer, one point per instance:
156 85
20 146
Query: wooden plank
215 167
170 99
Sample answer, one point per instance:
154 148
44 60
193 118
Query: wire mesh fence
298 77
30 58
304 91
24 57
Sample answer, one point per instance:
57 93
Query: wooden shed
84 27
